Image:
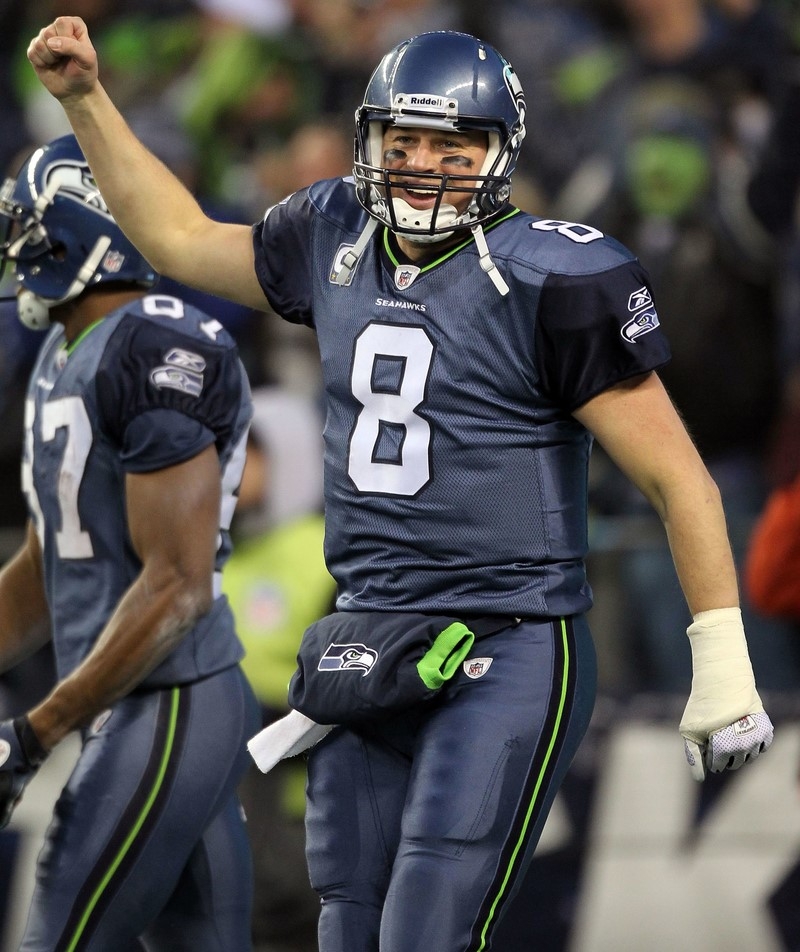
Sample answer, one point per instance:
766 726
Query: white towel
287 737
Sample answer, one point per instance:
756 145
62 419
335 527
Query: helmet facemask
489 190
60 235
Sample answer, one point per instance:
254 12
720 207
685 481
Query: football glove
21 755
724 724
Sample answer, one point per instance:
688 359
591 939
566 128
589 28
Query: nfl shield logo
404 275
113 261
476 667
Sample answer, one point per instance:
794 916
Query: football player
136 418
470 353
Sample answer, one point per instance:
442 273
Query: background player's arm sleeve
163 396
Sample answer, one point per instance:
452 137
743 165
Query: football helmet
449 81
59 234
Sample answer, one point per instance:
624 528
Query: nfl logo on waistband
476 667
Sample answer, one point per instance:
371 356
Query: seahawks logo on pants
347 657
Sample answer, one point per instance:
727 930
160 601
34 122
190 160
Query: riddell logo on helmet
425 100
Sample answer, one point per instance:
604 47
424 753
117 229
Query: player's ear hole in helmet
57 232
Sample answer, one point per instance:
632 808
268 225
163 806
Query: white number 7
68 414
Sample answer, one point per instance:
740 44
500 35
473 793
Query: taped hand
724 724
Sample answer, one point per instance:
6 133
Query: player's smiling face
434 152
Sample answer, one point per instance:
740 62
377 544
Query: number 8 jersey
147 387
455 473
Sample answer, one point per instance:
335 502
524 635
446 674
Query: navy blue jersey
455 473
149 386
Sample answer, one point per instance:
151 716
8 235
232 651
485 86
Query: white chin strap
486 262
34 311
414 219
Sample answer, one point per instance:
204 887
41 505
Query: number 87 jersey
147 387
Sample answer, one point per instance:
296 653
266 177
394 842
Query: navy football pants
147 836
419 830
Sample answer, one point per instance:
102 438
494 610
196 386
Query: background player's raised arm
153 208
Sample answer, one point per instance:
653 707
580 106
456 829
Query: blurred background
673 125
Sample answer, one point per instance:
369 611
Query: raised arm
153 208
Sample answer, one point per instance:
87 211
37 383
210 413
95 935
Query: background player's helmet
448 81
59 233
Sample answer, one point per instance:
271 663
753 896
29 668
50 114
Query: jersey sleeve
164 396
281 243
595 330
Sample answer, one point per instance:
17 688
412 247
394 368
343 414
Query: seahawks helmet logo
515 89
76 182
347 658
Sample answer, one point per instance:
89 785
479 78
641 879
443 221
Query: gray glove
21 755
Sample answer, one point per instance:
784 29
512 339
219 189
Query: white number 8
413 349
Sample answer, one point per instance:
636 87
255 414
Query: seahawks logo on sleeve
181 370
645 318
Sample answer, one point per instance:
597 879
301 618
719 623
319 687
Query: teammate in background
470 354
137 415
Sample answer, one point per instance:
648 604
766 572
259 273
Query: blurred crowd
670 124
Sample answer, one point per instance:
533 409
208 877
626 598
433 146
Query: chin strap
350 259
34 311
486 260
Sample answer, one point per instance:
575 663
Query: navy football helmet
449 81
59 233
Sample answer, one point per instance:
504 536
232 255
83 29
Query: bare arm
24 615
640 429
154 209
173 517
724 724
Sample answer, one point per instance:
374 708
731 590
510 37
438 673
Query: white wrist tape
723 686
